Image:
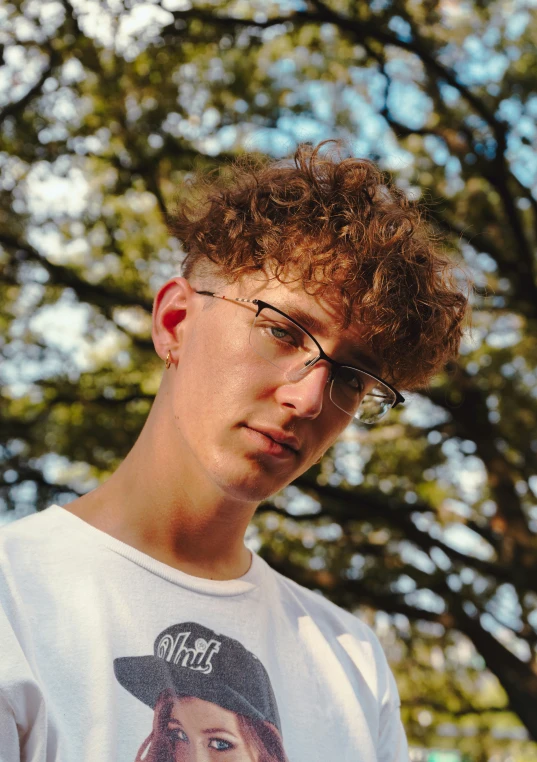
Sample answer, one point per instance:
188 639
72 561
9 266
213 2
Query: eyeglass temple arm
227 298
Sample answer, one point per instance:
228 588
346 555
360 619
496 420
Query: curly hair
342 228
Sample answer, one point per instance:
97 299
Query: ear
170 308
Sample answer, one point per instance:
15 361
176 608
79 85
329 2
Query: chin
248 478
250 492
252 487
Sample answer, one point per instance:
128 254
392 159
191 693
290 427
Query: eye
351 379
220 745
282 334
177 734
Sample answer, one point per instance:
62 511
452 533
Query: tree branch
103 296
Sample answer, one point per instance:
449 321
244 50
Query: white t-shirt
108 655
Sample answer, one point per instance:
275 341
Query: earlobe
169 311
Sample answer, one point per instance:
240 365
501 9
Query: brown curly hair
346 230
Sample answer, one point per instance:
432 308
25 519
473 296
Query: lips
280 437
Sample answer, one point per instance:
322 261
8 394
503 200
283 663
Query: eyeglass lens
286 346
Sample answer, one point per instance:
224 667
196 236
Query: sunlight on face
221 389
204 732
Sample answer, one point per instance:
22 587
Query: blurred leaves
426 526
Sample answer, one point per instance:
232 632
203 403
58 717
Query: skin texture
205 732
189 487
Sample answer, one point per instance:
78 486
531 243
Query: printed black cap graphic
193 660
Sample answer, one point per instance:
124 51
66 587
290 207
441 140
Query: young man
135 623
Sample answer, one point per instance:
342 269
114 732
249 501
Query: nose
306 395
193 752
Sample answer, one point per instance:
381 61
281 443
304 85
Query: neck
160 503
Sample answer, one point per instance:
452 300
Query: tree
108 108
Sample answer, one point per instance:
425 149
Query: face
203 732
224 394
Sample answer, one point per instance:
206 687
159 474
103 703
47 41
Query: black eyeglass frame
260 304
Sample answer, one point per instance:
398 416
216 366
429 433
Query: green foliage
106 109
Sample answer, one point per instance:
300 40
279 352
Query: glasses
284 343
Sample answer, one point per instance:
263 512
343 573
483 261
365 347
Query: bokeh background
426 526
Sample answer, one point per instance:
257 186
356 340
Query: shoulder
322 626
36 546
331 620
34 529
314 601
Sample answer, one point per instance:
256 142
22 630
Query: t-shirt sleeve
392 745
9 748
22 708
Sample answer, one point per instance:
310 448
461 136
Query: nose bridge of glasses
301 369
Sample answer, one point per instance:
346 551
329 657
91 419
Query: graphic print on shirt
212 699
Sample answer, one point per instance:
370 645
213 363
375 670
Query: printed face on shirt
200 731
224 392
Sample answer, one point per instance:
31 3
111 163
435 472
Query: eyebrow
314 326
305 319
